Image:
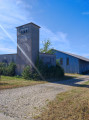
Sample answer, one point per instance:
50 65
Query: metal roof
73 55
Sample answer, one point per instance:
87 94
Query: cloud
24 4
14 13
8 50
19 2
59 39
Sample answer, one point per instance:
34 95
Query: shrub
45 70
11 69
8 70
27 74
50 71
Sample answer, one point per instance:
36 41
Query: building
27 49
28 52
72 63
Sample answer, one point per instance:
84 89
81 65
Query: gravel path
23 103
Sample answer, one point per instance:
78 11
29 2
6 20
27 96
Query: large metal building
72 63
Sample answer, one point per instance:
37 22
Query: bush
50 71
27 74
8 70
45 70
11 69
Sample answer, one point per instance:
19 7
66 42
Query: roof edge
29 23
74 55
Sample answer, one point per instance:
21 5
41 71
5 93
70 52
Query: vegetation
27 74
7 70
46 71
46 47
16 81
70 105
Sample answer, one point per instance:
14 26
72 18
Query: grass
14 82
70 105
7 82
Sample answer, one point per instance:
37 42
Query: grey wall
28 42
8 58
48 58
73 66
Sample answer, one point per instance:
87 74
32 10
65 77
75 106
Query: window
67 62
61 61
24 30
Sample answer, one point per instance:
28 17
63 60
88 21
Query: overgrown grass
70 105
13 82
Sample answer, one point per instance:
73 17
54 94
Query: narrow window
67 62
26 31
61 61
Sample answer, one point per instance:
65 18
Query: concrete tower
27 45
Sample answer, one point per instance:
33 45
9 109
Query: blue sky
64 22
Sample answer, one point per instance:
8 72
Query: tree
46 47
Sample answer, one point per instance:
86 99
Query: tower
27 45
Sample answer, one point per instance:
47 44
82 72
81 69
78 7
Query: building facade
27 49
72 63
28 52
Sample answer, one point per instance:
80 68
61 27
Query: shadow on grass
72 81
4 84
60 79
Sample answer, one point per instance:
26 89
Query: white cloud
25 5
59 39
8 50
14 13
11 13
19 2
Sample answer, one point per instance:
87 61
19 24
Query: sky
64 22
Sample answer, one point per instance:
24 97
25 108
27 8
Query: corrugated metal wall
72 67
8 58
83 66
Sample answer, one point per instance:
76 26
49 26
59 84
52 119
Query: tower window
23 31
67 61
61 61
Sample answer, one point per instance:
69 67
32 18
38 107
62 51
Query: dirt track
23 103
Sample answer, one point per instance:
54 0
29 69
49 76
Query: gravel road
23 103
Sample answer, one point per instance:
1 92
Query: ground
28 102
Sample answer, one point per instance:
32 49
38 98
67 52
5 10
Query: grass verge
70 105
7 82
13 82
